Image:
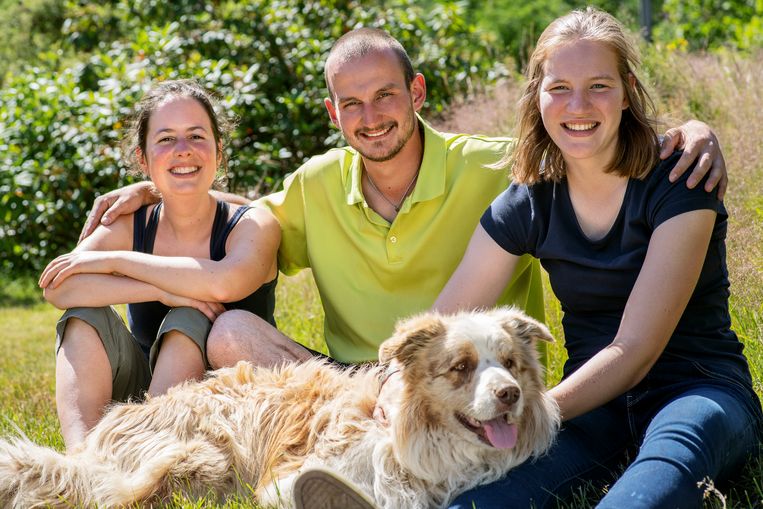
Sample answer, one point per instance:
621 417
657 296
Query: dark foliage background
71 70
62 111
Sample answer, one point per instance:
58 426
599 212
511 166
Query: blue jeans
679 434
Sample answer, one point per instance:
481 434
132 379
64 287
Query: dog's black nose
507 395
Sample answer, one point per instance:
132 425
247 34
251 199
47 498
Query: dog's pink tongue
500 433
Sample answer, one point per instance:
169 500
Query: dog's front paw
278 495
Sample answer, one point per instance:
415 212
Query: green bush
711 24
517 25
61 123
28 28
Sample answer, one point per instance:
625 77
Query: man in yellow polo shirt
382 223
371 271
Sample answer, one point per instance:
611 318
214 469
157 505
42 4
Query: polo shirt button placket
393 255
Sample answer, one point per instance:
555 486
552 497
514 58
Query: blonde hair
535 157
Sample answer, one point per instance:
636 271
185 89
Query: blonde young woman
177 264
656 380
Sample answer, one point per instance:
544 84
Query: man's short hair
361 42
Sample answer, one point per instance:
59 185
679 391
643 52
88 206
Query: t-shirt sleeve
288 208
509 220
669 199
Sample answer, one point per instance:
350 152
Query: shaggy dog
472 407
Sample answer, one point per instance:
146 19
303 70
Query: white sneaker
323 489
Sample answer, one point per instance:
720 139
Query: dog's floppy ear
410 335
522 326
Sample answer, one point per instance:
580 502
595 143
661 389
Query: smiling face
373 105
181 154
581 100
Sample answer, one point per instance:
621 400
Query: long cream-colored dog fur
472 407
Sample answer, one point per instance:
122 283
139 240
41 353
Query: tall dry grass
724 90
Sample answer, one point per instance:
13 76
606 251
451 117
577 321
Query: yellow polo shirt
369 272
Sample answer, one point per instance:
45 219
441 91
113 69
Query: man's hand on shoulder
125 200
699 144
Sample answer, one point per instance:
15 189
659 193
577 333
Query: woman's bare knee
179 359
76 328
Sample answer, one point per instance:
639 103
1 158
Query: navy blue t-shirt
593 279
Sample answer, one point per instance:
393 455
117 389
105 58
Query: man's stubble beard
407 133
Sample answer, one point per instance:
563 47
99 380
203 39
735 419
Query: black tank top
145 318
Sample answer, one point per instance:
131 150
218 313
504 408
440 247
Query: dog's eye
508 363
461 366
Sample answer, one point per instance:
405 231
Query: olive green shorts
130 369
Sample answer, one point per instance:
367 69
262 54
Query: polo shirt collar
431 181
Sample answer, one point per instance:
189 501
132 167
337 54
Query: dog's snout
507 395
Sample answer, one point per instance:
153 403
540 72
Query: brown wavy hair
535 157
